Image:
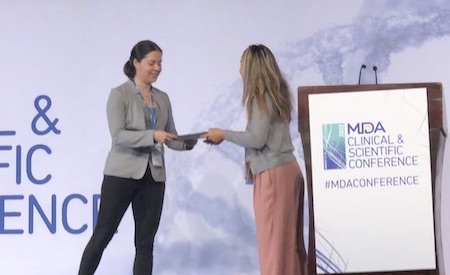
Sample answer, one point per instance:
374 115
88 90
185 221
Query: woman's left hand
162 136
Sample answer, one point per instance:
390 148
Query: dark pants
146 197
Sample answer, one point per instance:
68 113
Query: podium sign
370 180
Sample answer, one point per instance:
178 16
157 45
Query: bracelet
187 147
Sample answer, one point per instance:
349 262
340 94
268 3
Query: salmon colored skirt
278 198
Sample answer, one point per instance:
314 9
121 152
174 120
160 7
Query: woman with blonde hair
270 162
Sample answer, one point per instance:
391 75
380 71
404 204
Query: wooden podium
344 252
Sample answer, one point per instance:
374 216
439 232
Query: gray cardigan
131 141
267 140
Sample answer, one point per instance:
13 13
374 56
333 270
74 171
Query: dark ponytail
129 69
139 51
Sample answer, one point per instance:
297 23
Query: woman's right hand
215 136
162 136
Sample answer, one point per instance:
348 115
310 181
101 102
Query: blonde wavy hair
261 75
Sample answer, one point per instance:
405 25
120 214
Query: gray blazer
131 142
267 140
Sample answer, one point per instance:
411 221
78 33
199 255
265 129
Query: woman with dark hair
271 164
140 122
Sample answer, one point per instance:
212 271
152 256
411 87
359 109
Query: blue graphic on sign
333 139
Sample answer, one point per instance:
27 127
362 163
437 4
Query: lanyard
150 110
